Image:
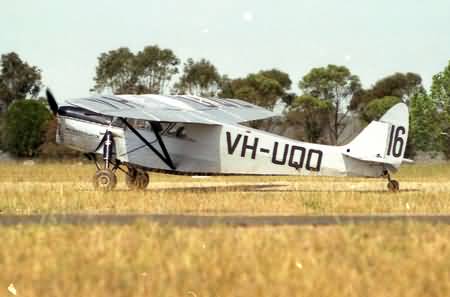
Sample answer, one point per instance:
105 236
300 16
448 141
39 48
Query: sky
373 38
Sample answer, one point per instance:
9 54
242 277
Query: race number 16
396 141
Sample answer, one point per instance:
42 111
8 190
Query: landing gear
105 178
392 184
137 179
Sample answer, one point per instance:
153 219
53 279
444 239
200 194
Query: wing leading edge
180 109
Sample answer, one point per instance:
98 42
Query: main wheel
105 180
137 180
130 178
393 185
142 180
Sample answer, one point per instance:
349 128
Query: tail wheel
137 180
393 185
105 180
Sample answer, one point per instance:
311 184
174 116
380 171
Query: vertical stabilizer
383 141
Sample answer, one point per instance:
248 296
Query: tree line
331 97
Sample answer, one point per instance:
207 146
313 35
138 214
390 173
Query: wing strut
166 157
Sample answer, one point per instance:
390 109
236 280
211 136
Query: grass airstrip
147 259
62 188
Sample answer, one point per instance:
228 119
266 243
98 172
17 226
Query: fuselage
212 149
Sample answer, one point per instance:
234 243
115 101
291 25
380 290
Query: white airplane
204 136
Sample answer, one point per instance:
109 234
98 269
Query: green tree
377 107
26 125
260 90
373 102
400 85
281 77
264 88
337 85
199 78
424 127
285 82
149 71
115 71
154 68
440 93
255 88
18 80
440 90
226 85
311 114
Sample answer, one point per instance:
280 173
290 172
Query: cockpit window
118 123
177 131
138 124
163 128
170 129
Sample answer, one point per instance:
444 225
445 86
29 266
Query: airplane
191 135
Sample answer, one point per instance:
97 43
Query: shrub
25 128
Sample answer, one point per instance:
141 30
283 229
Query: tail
383 141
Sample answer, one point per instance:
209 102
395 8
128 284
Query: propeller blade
52 101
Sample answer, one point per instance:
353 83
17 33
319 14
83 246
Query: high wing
180 109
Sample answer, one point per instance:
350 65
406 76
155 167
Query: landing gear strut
392 184
105 178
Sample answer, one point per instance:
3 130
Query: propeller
52 101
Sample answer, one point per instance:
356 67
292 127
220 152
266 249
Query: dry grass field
393 260
145 259
61 188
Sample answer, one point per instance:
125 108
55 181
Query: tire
393 186
105 180
142 180
130 178
137 180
